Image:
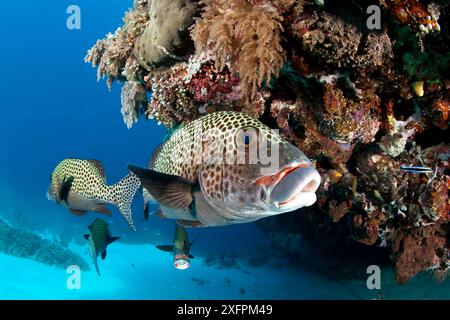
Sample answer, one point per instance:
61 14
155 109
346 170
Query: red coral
416 253
208 85
410 12
440 112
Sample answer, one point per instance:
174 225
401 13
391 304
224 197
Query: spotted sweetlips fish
227 168
80 186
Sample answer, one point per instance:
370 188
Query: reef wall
24 244
360 102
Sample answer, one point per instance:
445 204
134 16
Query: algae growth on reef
361 102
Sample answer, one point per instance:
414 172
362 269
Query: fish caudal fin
93 253
124 192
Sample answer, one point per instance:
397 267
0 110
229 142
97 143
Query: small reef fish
416 169
181 249
99 238
216 171
80 186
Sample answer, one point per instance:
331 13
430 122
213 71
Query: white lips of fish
295 187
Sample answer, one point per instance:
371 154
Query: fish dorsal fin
155 154
166 248
99 165
189 223
171 191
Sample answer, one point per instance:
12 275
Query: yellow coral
245 36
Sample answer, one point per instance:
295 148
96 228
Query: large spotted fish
227 168
181 248
99 238
80 186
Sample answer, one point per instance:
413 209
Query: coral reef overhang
361 102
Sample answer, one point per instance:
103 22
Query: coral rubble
20 243
362 103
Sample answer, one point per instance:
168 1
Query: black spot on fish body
65 189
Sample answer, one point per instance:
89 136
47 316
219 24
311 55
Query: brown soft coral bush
244 36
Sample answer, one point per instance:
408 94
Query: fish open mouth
293 187
181 262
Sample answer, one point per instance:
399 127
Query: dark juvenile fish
99 238
416 169
181 248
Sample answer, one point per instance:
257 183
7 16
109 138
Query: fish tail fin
124 192
96 267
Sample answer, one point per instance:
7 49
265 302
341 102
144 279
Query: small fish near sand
217 171
99 238
181 249
80 186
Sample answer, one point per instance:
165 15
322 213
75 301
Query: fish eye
247 136
246 139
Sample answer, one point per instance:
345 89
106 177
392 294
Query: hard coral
333 41
133 99
166 36
415 13
171 102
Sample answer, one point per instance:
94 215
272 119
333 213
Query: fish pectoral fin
191 224
101 208
166 248
103 255
160 213
86 236
171 191
191 256
112 239
78 213
64 190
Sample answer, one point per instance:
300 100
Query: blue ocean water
53 108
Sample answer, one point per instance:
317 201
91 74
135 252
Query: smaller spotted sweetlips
80 186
